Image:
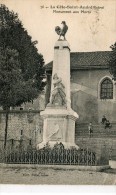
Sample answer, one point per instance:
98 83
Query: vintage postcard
58 92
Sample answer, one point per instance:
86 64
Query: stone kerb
66 167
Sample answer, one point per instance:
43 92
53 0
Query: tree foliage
112 61
18 49
14 90
21 66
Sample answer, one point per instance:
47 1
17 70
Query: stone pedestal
59 126
59 118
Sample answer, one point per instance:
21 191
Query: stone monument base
58 127
51 144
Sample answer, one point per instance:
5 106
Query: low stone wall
102 146
22 125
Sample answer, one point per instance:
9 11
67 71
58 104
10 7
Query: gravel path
56 176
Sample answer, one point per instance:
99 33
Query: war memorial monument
59 118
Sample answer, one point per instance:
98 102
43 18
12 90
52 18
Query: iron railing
47 156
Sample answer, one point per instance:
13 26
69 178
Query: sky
94 31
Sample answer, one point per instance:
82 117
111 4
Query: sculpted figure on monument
58 96
55 133
61 31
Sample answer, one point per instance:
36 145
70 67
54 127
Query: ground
57 176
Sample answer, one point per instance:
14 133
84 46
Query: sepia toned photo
58 92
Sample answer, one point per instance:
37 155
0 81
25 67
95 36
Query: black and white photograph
58 92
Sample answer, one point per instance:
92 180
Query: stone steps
98 130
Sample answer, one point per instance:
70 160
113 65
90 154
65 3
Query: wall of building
89 78
85 96
86 106
38 104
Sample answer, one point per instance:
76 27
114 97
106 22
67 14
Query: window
21 132
106 89
30 142
12 142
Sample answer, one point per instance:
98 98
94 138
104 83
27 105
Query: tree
112 61
21 66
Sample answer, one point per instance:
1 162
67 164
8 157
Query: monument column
61 66
59 118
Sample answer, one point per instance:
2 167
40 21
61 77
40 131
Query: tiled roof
82 60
